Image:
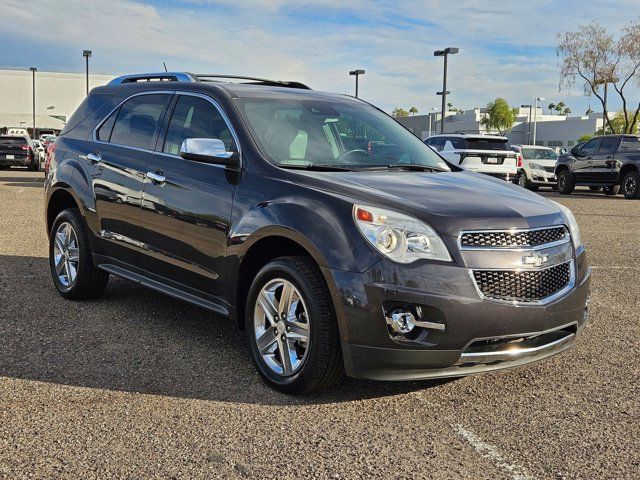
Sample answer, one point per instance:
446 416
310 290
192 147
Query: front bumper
448 296
542 177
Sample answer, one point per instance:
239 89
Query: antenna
165 66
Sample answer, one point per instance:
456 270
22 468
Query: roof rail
204 77
190 77
154 77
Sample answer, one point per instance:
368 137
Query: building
551 130
57 97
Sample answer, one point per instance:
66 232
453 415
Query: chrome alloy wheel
66 254
281 327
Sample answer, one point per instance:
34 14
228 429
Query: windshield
487 144
539 154
300 132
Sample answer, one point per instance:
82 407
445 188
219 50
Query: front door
186 213
581 167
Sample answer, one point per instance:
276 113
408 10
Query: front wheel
524 182
291 327
565 182
631 185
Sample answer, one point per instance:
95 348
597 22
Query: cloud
506 49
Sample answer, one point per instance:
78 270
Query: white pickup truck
488 154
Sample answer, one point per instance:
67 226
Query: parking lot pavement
139 385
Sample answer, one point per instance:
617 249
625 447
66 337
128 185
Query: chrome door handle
156 177
94 157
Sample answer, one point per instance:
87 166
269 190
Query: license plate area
492 160
10 157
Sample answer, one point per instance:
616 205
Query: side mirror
209 150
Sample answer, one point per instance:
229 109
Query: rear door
186 216
603 166
117 164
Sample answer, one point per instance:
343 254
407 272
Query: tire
565 182
317 361
523 181
631 185
33 168
88 281
611 190
595 189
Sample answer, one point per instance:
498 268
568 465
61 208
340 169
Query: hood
448 201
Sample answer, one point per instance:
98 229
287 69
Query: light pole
33 87
444 53
535 118
357 73
86 54
430 114
528 122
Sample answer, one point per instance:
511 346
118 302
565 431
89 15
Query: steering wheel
347 154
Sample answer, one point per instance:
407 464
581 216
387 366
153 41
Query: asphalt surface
139 385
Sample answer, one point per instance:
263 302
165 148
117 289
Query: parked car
17 151
536 166
488 154
242 198
40 153
609 162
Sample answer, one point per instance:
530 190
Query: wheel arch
59 200
629 167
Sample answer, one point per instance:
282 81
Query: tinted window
457 142
590 147
630 144
438 143
104 132
13 141
487 144
138 120
608 145
195 117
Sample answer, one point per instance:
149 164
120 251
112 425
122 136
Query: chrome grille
512 238
523 285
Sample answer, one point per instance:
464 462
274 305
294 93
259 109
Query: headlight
400 237
535 166
573 225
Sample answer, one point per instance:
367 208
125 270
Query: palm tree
413 110
566 112
559 107
551 107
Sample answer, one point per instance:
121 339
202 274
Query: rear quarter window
487 144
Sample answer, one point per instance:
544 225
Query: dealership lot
137 384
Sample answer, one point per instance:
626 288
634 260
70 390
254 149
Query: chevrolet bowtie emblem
535 259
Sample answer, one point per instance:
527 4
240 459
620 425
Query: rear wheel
611 190
72 269
291 327
631 185
565 182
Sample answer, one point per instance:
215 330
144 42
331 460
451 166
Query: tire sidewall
565 182
280 269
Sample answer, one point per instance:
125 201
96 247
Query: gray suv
331 236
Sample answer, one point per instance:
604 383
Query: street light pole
357 73
86 54
444 53
535 118
430 114
33 87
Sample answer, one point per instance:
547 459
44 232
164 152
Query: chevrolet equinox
333 237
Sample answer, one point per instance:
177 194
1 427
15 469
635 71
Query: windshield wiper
409 166
319 167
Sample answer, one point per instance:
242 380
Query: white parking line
515 471
614 268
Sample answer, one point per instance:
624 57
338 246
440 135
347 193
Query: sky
507 49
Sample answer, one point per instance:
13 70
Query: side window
138 120
438 143
195 117
630 144
104 132
590 147
608 145
457 142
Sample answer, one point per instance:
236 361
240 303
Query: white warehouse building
551 130
57 97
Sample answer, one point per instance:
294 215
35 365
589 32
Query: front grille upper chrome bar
519 248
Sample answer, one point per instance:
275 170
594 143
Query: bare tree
594 56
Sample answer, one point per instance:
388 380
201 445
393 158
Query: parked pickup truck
611 162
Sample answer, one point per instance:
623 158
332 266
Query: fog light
401 321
